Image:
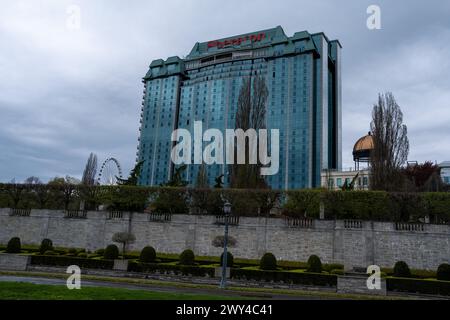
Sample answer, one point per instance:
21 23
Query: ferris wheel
109 172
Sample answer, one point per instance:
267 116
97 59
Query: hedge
421 286
365 205
65 261
169 269
256 275
303 278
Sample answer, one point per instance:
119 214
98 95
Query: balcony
222 219
20 212
75 214
299 222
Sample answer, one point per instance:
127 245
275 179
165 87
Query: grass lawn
30 291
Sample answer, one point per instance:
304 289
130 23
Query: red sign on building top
236 41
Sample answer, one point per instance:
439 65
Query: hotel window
339 182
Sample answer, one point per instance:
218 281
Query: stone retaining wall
334 241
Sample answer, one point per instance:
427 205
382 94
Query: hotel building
303 77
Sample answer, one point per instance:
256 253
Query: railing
406 226
222 219
20 212
353 224
159 217
115 215
75 214
299 222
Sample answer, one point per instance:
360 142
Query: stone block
13 261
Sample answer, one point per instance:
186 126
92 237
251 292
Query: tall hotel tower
303 77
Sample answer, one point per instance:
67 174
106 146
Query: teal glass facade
302 74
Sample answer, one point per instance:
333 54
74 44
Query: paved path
156 288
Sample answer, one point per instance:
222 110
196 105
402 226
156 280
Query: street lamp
226 211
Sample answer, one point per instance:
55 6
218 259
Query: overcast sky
66 92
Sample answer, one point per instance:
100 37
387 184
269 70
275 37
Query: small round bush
111 252
13 245
100 252
82 255
268 262
148 254
50 253
72 251
443 272
230 259
46 245
314 264
401 269
187 257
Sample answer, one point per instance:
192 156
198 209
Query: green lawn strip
233 289
31 291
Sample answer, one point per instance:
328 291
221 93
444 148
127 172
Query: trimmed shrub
332 266
401 269
50 253
13 246
65 261
111 252
443 272
100 252
187 257
148 254
46 245
303 278
314 264
337 272
230 259
268 262
418 286
82 255
72 251
171 269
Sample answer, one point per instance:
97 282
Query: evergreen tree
133 177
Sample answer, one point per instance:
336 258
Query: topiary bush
401 269
111 252
268 262
443 272
187 257
46 245
82 255
314 264
13 245
230 259
148 254
50 253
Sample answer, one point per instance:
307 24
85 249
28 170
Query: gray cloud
66 93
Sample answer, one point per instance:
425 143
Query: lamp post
227 211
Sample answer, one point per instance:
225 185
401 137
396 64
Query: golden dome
364 143
363 147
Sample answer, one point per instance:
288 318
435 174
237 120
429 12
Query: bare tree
33 180
90 170
124 238
391 145
251 114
